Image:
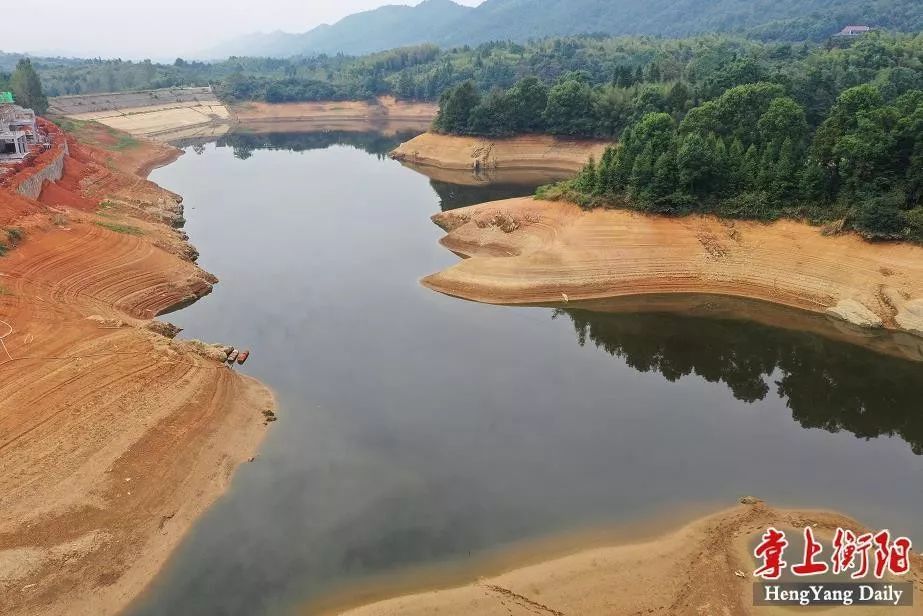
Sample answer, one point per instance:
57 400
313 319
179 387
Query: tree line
26 86
752 153
833 132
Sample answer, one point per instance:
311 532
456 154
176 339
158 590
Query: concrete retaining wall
52 172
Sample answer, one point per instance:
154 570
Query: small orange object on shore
243 357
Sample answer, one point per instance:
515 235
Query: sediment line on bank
115 438
526 251
703 567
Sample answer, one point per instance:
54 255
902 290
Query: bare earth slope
691 571
527 251
526 152
385 114
113 438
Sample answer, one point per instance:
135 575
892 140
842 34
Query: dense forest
834 135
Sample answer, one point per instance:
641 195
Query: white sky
166 29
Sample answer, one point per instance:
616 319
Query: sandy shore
385 115
113 438
486 157
705 567
524 251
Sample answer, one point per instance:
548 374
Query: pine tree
736 167
664 175
642 171
751 169
587 181
27 87
784 183
722 164
767 167
606 171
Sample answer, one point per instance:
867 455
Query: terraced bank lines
113 438
525 251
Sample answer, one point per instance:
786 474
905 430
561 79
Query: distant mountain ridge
448 24
386 27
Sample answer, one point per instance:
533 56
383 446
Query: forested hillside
447 24
826 134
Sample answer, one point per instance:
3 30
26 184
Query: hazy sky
166 29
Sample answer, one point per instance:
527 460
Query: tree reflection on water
826 383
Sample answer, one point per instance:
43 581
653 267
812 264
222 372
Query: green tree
455 108
570 109
528 98
27 87
695 163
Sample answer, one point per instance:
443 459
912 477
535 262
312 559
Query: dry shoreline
693 570
488 156
386 115
170 115
113 438
526 251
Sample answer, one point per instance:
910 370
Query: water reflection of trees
454 196
826 384
375 143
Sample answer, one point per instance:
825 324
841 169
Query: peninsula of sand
704 567
528 251
114 436
474 160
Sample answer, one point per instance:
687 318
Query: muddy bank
171 115
704 567
113 438
385 115
482 156
524 251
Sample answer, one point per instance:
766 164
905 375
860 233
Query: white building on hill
18 131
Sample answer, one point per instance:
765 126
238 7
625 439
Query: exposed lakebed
416 429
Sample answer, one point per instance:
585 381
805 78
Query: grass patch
15 235
3 249
124 229
124 142
106 204
70 125
4 291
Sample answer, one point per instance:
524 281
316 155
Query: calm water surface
418 429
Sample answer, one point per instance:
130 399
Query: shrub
915 223
15 235
755 205
878 220
126 229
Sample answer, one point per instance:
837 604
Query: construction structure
19 132
854 31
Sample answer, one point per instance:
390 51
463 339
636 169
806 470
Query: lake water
416 429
